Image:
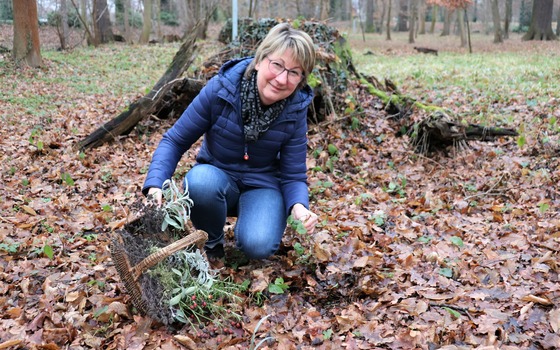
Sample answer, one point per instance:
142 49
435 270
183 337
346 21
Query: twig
489 192
453 307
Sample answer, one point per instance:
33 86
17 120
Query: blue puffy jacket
277 160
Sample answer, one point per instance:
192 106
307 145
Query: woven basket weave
130 274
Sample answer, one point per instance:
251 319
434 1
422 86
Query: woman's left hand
308 218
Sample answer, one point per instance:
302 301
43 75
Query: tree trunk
558 22
461 22
26 48
102 22
63 28
402 18
434 15
447 22
127 31
541 21
388 37
147 22
156 101
370 10
498 38
157 15
412 22
422 17
509 16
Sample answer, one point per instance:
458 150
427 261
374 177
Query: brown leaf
29 210
554 319
186 341
322 254
10 343
537 300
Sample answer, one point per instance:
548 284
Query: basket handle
198 237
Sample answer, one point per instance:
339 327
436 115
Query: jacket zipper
246 155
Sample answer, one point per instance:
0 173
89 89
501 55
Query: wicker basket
130 273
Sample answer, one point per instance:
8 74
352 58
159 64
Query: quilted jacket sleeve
293 167
192 124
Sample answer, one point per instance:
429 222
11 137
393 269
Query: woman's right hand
154 195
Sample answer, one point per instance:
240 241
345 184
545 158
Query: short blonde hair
281 38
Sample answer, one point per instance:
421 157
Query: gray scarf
256 117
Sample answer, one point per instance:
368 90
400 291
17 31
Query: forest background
456 249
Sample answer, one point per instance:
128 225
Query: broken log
426 50
151 103
439 131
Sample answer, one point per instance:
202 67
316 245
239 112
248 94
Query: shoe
217 252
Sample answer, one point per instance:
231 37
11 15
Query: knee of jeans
258 250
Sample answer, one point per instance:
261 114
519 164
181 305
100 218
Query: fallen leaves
437 260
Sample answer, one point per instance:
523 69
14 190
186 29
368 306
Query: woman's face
272 86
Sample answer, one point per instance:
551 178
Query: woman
252 162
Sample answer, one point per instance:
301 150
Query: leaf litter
384 270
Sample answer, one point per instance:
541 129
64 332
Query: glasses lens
278 68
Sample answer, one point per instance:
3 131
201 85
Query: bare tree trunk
127 31
447 22
422 17
27 48
509 15
402 18
370 10
147 22
383 13
461 22
102 22
157 14
498 38
434 16
389 20
558 22
412 22
541 21
64 24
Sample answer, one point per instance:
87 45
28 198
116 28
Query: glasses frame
271 64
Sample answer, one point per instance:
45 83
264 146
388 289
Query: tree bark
63 25
509 16
422 17
157 15
402 18
461 21
447 22
498 38
388 37
541 21
412 22
434 14
370 10
147 22
102 22
127 31
26 47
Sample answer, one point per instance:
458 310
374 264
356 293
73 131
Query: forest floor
451 250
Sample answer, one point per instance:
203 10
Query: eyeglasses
277 67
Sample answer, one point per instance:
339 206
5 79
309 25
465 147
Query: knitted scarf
256 117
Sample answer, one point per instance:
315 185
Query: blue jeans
261 217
